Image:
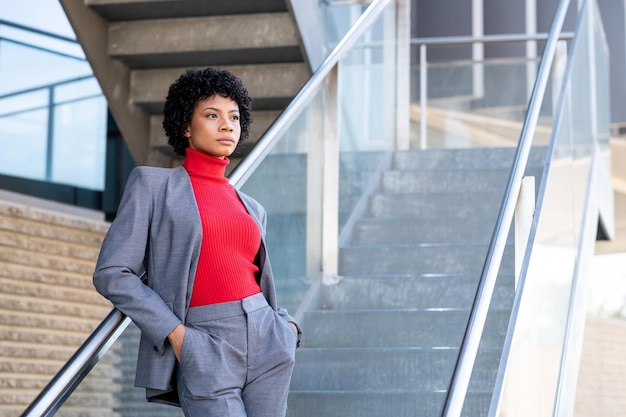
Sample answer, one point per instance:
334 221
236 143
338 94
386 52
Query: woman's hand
176 340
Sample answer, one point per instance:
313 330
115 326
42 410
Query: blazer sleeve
121 260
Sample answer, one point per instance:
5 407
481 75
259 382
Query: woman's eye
235 117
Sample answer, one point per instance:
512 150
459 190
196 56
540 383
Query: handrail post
524 212
478 49
531 45
314 186
403 74
330 175
423 97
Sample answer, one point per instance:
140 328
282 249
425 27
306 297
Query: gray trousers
236 360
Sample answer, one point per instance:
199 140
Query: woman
213 339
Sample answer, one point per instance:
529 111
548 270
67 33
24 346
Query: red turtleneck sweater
230 236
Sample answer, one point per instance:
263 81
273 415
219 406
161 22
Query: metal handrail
61 386
52 397
513 37
478 316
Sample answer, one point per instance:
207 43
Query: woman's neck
205 167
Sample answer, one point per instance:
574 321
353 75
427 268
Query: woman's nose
227 126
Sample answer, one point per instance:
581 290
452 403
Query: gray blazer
158 229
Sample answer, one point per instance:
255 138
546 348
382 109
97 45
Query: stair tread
385 392
269 37
395 310
156 9
418 245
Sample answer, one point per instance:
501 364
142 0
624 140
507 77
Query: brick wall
48 305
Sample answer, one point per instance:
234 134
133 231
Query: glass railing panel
288 182
492 346
367 112
470 114
602 87
338 17
543 297
472 104
535 355
283 185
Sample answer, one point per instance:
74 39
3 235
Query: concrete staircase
385 339
137 48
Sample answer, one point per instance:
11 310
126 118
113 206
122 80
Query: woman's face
214 127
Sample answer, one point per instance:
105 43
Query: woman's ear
187 133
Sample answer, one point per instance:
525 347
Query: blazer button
156 349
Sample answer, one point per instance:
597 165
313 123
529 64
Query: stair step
115 10
436 328
411 231
386 369
449 180
465 158
421 292
434 259
458 204
162 43
396 403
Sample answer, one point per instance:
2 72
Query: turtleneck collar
202 166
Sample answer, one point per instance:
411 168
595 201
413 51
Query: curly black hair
194 86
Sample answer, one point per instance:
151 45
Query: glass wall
52 112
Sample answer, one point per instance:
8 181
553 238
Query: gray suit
158 228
